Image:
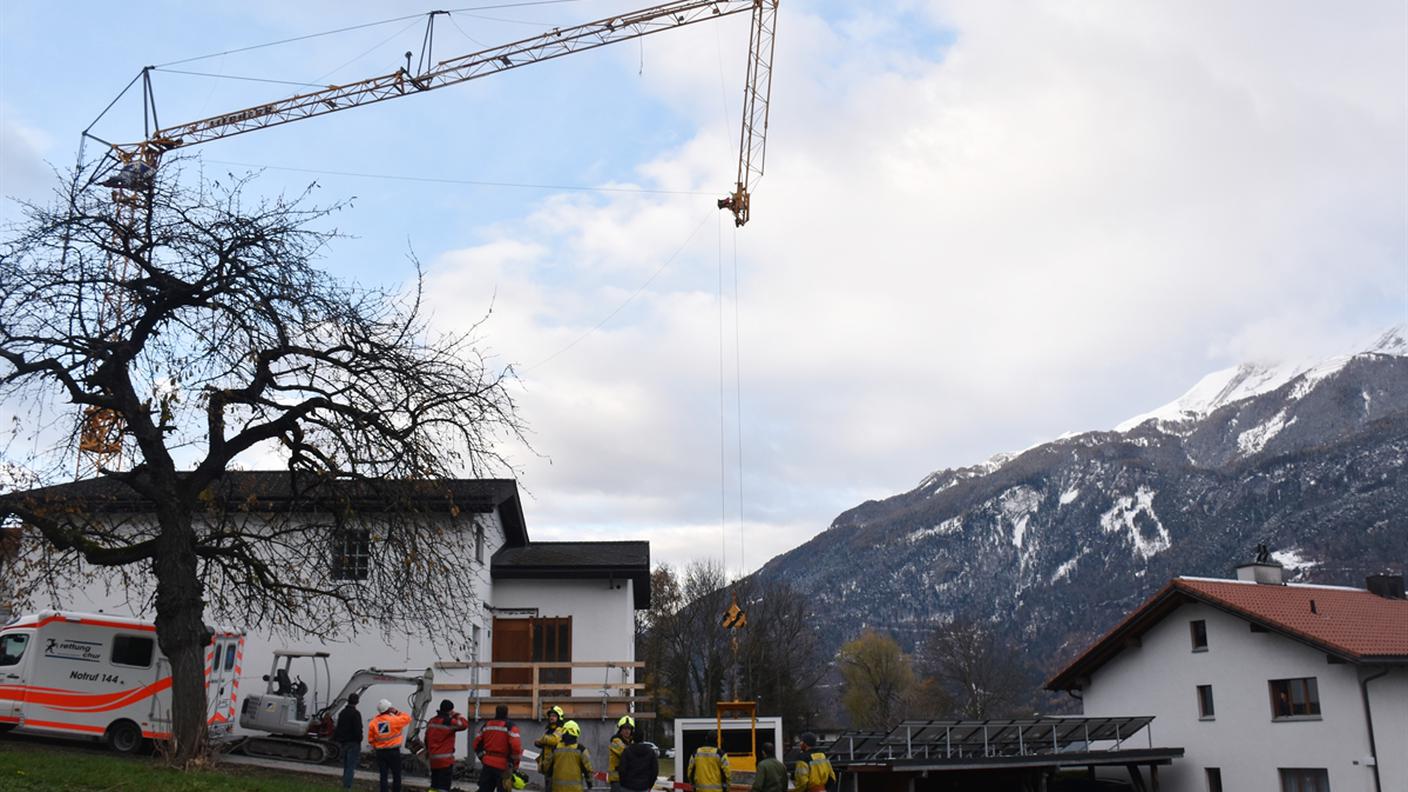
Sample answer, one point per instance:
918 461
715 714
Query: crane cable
467 182
574 342
363 26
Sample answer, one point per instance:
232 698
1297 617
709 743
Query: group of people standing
566 765
386 733
631 764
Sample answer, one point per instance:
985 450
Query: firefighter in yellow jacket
552 735
570 767
625 727
813 771
708 768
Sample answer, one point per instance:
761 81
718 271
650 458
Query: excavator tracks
288 749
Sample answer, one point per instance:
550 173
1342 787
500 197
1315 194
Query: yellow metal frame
747 763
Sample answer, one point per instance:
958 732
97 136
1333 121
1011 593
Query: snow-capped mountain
1245 381
1058 541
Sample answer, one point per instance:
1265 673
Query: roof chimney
1386 585
1262 570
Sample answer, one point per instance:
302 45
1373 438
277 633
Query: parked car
653 747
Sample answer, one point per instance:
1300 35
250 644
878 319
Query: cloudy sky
983 224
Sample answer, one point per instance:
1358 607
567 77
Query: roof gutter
1369 722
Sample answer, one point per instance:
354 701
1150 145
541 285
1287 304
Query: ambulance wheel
124 736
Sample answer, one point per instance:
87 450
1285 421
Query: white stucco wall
602 611
1161 676
350 651
603 620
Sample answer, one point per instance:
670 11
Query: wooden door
512 643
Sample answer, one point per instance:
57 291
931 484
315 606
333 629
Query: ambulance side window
229 657
12 648
132 650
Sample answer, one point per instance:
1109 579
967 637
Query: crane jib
551 45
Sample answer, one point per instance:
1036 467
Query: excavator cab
284 706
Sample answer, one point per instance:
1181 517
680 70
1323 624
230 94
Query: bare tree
780 652
977 673
690 657
197 327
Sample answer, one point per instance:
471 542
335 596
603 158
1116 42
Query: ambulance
101 677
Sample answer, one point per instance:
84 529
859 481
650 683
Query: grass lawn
37 766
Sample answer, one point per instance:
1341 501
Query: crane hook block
738 204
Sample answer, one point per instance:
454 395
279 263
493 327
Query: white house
568 604
1269 687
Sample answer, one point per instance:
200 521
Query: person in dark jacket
348 735
639 767
772 774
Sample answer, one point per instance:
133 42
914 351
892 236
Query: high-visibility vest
388 730
613 761
708 770
570 765
440 740
814 773
550 740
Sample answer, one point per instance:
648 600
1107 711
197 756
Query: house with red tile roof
1268 686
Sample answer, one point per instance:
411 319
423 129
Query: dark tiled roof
622 560
281 491
1352 624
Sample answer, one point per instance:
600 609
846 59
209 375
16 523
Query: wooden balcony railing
523 688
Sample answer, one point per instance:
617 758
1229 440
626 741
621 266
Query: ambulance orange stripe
57 696
100 703
79 727
90 622
67 726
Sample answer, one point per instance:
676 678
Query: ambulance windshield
12 648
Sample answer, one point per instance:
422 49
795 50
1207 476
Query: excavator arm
369 677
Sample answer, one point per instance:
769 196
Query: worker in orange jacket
440 744
500 749
386 733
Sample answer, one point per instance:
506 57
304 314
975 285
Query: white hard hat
383 705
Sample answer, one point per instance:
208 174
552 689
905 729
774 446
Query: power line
239 77
512 5
629 299
476 42
738 408
369 51
723 446
467 182
363 26
290 40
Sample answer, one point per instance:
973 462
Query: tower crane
127 164
128 168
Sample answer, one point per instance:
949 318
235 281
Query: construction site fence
522 688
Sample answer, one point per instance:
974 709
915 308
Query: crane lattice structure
128 168
140 158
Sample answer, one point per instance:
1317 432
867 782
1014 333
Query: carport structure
1020 753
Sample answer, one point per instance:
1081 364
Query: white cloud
24 175
983 224
1063 218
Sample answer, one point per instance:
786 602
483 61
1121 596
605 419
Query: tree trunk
182 634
